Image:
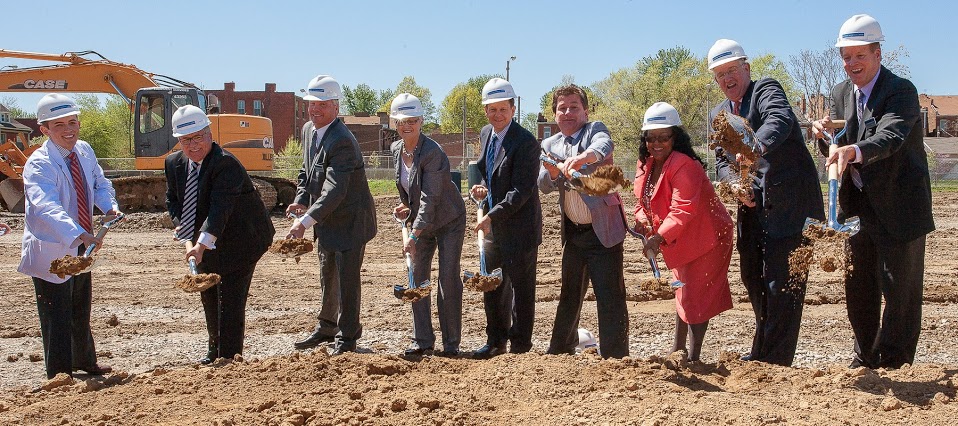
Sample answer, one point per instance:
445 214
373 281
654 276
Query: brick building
286 110
939 114
545 129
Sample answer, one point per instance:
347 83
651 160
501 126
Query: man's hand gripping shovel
852 225
74 265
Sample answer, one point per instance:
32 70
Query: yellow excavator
153 98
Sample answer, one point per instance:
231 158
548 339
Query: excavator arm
79 74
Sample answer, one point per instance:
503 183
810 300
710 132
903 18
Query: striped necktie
491 152
84 214
860 106
188 215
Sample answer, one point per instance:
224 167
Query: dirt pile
824 247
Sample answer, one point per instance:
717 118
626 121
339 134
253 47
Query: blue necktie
491 151
188 215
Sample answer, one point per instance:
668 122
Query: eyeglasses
660 138
408 122
184 141
731 71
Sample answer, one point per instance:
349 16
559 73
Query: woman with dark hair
682 216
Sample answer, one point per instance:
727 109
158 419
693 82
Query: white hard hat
661 115
54 106
189 119
405 106
586 340
323 88
859 30
724 51
497 90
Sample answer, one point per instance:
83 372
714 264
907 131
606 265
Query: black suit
513 245
228 208
894 205
334 187
787 191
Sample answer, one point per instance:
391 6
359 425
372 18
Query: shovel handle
192 263
835 124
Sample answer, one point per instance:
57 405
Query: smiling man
885 182
512 222
784 192
219 215
62 183
592 228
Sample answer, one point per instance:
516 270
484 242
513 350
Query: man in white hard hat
593 228
885 182
222 220
784 192
508 164
333 192
63 182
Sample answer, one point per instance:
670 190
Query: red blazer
683 209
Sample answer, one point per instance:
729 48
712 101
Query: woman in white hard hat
431 206
682 216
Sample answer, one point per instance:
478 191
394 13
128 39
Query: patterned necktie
491 152
737 108
188 215
83 208
311 150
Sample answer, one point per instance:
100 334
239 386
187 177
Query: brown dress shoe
96 369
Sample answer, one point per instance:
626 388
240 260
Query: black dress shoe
206 360
519 349
313 340
452 353
746 357
417 351
341 349
96 369
489 351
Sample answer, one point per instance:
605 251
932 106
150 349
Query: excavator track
148 193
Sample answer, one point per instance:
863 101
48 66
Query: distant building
939 115
545 129
13 130
286 110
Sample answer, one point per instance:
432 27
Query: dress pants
64 311
448 239
225 307
510 308
328 317
777 297
889 268
584 258
347 267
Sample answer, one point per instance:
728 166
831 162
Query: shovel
495 276
605 180
403 292
196 281
649 254
853 224
71 265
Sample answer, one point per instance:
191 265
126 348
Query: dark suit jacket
228 206
516 214
786 181
335 188
894 169
433 199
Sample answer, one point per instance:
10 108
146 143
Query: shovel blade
851 226
496 273
676 284
812 221
466 275
398 291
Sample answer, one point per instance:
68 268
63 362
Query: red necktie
83 208
737 108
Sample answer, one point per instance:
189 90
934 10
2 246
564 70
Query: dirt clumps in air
732 141
70 265
292 247
825 247
604 180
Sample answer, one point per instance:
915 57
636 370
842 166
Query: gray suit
437 210
335 188
591 251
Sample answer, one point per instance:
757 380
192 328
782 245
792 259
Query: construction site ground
152 334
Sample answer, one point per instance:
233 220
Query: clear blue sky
443 43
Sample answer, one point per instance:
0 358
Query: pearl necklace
406 153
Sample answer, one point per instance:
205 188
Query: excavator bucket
11 189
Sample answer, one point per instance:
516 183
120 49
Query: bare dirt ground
152 333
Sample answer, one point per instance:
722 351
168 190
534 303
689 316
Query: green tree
362 99
13 106
530 123
409 85
468 93
768 66
106 125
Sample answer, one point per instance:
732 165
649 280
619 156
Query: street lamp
511 58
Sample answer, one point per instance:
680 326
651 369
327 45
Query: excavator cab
152 127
